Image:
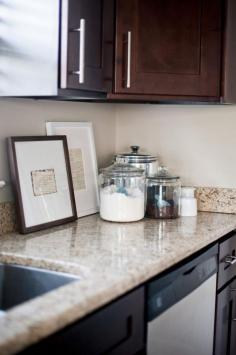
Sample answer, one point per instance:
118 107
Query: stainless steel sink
19 284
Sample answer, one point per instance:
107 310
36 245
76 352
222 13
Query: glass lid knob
135 149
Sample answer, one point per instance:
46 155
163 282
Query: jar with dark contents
163 195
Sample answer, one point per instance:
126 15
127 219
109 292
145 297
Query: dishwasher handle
170 289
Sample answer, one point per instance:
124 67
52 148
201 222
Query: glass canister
140 160
163 195
122 192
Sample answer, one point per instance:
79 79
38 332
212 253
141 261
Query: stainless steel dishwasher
181 308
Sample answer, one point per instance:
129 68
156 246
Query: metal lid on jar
135 157
163 175
121 168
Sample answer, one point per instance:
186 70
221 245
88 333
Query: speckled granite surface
7 217
109 258
212 199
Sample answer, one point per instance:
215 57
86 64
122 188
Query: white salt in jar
122 192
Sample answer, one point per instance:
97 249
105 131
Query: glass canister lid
135 157
163 175
121 168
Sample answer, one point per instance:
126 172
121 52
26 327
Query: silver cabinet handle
231 260
64 46
64 43
128 81
81 31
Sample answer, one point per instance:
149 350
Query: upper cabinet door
29 38
168 47
86 34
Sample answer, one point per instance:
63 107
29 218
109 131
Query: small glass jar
163 195
122 192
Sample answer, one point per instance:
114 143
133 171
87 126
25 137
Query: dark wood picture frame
14 172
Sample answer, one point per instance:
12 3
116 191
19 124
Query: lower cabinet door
233 324
117 329
225 336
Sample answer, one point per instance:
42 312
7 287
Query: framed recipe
42 181
83 163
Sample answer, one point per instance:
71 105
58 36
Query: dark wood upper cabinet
86 44
70 47
168 48
229 53
134 50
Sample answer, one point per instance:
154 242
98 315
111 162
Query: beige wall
28 117
196 142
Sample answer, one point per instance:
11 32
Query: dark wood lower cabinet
117 329
225 339
227 271
120 327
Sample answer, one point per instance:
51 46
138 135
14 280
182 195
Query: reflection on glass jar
163 195
122 193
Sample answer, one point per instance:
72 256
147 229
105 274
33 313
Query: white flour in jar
121 207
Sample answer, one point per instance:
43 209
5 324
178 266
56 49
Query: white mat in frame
83 161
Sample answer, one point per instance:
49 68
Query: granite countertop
109 258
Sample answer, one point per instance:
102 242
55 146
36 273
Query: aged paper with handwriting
43 182
77 169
